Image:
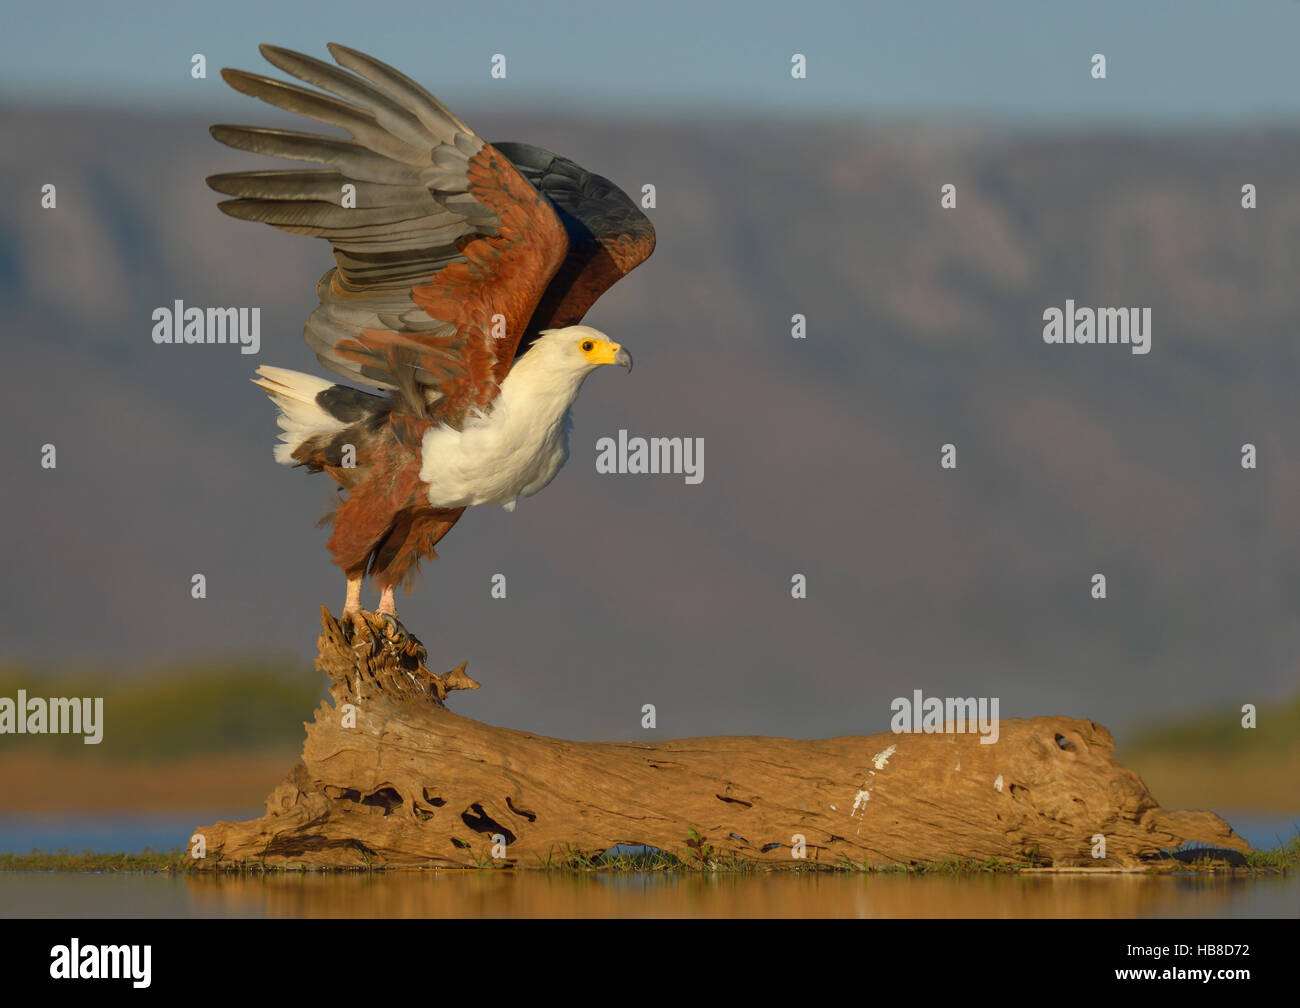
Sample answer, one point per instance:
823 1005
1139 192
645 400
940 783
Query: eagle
463 270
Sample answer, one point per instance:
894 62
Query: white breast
512 450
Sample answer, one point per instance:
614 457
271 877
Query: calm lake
458 893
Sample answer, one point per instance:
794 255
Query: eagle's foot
394 632
382 633
390 636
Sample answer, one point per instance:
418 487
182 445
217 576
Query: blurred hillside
924 327
175 712
1207 760
173 737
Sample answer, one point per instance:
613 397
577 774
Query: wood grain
412 784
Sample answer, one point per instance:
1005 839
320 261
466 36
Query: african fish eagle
462 271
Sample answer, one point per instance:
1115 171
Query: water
459 893
112 834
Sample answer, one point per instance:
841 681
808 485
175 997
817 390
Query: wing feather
608 234
445 233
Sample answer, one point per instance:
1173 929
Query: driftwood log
390 777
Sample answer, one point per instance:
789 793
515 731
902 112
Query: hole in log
1191 855
734 801
530 816
737 836
1065 743
771 847
385 798
458 842
344 793
434 800
480 822
632 850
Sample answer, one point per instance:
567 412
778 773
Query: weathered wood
398 780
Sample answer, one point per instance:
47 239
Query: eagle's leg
352 604
388 613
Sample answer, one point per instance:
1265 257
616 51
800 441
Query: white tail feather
300 416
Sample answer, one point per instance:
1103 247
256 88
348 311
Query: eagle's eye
587 346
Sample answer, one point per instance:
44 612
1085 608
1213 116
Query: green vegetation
955 866
1219 731
649 859
1207 760
147 861
1281 858
182 710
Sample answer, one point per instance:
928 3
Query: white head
578 349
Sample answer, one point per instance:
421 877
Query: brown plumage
454 256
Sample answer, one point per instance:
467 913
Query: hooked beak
623 358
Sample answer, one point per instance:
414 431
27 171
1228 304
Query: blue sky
1174 63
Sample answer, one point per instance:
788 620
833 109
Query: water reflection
528 894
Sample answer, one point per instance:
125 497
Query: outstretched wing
608 234
445 237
